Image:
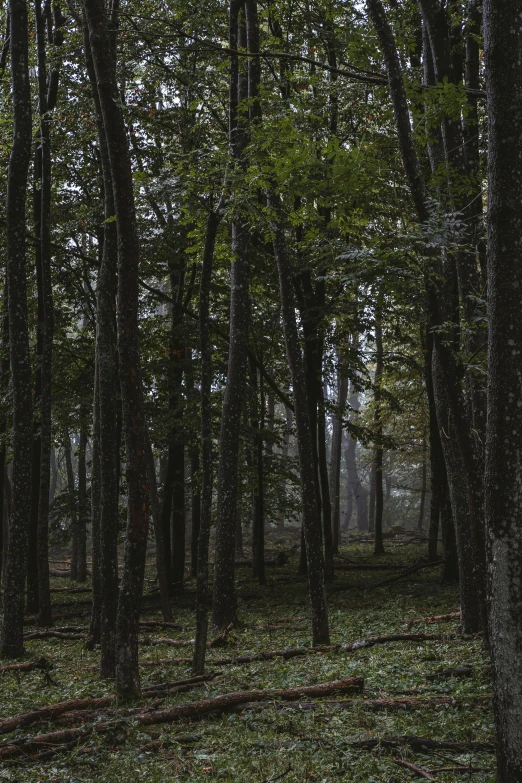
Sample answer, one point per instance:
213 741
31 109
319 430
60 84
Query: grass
260 745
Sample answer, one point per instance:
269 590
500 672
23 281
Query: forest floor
301 740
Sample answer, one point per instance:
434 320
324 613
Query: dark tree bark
503 43
127 671
205 345
11 641
4 387
378 453
224 599
450 571
95 623
335 466
311 518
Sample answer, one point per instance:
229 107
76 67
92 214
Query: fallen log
51 711
42 663
299 652
144 624
458 769
396 637
50 634
71 590
436 618
375 705
421 744
423 773
457 671
196 709
369 566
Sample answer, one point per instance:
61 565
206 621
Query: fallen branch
42 663
53 635
436 618
375 705
457 671
422 744
51 711
423 773
369 566
396 637
412 570
458 769
195 709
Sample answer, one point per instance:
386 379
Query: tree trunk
205 345
371 512
11 641
378 454
47 326
106 377
258 512
195 492
450 572
503 43
83 513
335 466
127 671
224 598
71 488
94 635
459 451
311 518
424 471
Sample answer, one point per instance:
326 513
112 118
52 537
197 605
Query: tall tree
11 641
127 670
224 605
503 44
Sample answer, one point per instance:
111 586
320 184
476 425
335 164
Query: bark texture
503 43
11 640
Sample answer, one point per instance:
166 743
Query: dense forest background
259 302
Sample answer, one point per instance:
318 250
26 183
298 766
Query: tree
11 643
503 41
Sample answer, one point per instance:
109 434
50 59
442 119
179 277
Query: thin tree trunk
378 454
371 513
127 670
11 641
503 44
258 512
424 472
335 466
195 492
224 598
202 583
83 513
105 543
44 595
96 555
71 488
311 518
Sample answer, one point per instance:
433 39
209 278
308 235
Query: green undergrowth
272 743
